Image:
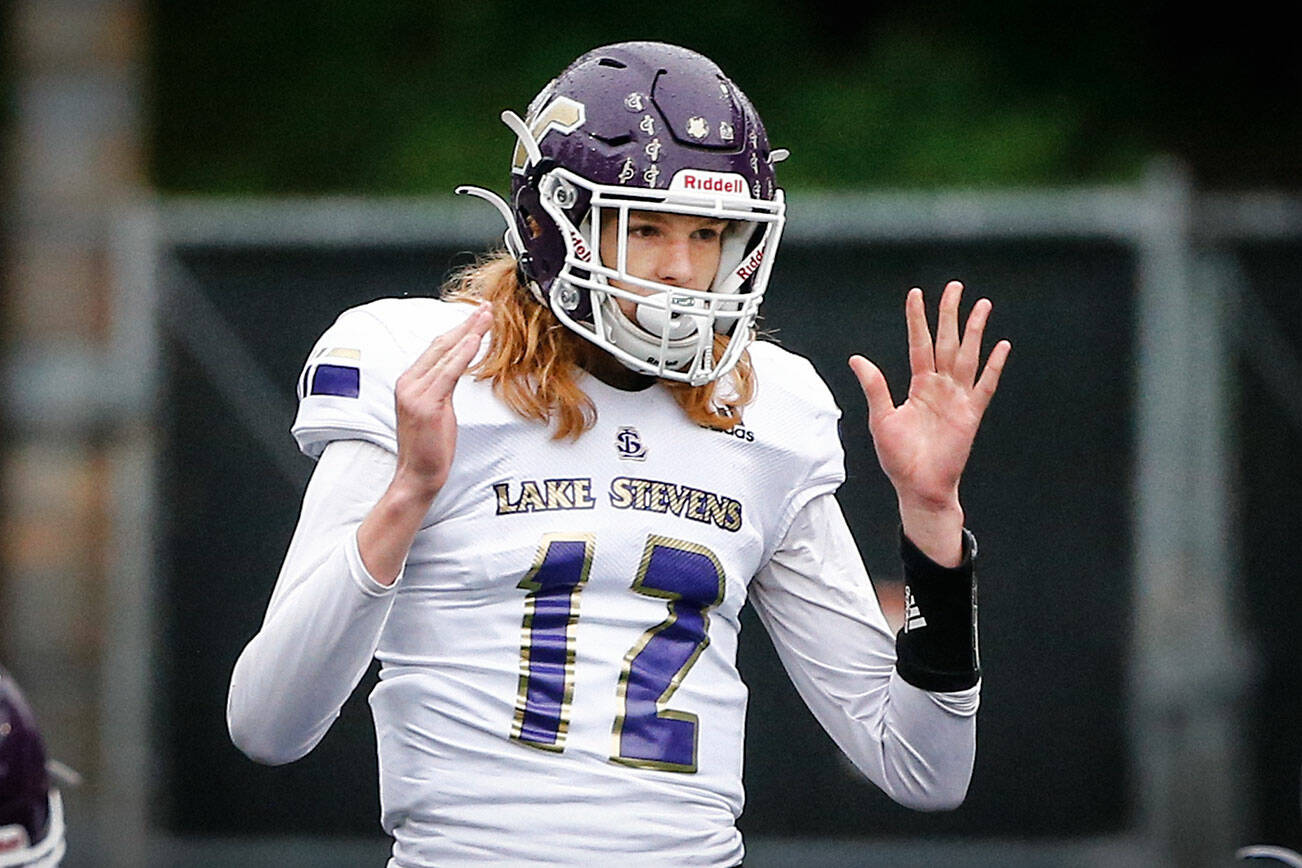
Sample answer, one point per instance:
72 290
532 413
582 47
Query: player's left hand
923 444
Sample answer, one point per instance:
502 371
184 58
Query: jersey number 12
685 574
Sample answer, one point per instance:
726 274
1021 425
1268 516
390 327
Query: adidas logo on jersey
741 432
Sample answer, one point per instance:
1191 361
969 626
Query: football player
31 810
543 500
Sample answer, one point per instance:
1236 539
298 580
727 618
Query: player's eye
643 230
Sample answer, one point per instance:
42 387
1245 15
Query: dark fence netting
1269 431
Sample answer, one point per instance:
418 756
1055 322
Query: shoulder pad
790 379
345 390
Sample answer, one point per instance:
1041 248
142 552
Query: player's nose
674 264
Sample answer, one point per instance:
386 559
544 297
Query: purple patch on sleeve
338 380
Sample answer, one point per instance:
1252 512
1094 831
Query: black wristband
936 649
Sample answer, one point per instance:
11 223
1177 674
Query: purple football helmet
31 813
643 126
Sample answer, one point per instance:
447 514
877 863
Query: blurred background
193 191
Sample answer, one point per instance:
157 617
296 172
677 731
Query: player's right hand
427 425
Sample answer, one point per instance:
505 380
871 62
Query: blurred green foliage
402 96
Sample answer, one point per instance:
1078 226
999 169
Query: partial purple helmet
31 813
644 126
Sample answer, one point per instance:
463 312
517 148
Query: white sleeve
324 619
818 605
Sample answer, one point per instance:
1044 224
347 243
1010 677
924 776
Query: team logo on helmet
562 115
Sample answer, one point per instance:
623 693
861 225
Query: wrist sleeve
936 649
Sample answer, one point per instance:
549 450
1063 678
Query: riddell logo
714 185
580 247
692 181
751 265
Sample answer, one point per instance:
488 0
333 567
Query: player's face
675 249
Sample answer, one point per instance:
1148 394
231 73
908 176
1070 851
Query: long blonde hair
535 362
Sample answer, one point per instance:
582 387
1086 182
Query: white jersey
558 681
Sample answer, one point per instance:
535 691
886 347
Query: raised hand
427 439
924 443
427 425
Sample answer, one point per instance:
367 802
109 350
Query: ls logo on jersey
629 444
332 371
